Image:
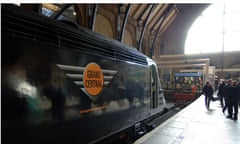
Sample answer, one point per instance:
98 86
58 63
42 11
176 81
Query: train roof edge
118 48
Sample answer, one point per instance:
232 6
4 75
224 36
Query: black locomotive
65 85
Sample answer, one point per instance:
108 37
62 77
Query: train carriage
66 84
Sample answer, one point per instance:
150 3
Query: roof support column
61 11
165 14
94 17
144 27
124 23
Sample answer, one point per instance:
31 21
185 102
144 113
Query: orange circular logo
93 79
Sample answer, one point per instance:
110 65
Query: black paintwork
41 104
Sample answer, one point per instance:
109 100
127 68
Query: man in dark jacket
239 93
233 101
208 92
220 92
225 94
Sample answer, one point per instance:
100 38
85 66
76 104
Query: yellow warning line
92 109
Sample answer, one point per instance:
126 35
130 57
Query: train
66 84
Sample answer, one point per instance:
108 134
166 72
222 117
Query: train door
154 87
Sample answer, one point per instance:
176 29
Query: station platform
196 125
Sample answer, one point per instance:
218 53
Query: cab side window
154 87
62 12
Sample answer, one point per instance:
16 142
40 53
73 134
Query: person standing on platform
225 94
220 92
208 92
233 101
239 93
194 88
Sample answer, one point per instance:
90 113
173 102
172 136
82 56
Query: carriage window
154 87
47 12
59 11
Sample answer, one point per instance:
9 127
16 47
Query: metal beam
135 15
171 17
173 56
159 19
165 14
192 70
157 15
216 70
144 27
124 22
183 61
182 65
228 70
61 11
94 16
223 36
143 12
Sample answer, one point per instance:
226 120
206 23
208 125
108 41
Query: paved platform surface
196 125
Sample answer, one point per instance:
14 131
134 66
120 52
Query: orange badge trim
93 79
